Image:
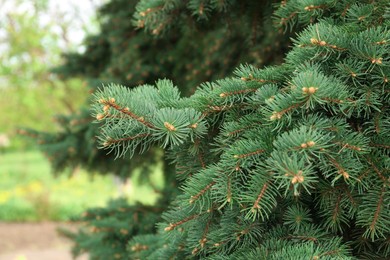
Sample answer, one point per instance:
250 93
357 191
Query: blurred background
33 202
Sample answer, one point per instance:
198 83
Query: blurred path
34 241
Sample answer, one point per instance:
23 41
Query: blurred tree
32 36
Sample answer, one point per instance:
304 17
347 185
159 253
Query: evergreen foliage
283 162
192 51
109 229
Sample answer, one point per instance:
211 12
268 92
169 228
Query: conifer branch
245 231
218 244
278 115
237 92
201 160
378 172
349 146
284 21
172 226
232 133
378 209
241 156
252 78
229 190
195 197
111 102
336 210
363 175
333 100
200 157
213 109
345 10
110 140
305 238
380 145
331 252
260 196
340 169
203 240
150 10
351 199
376 123
314 7
322 43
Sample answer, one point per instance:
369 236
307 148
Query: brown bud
270 99
298 178
169 228
344 173
312 90
381 42
275 115
169 126
195 251
124 231
99 116
202 242
308 8
377 61
310 143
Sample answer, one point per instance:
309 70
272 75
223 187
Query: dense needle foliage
281 162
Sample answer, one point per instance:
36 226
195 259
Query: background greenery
33 34
32 37
29 192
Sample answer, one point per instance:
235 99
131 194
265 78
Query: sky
78 13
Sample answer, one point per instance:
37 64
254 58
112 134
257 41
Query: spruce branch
125 110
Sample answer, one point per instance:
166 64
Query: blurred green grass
30 192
